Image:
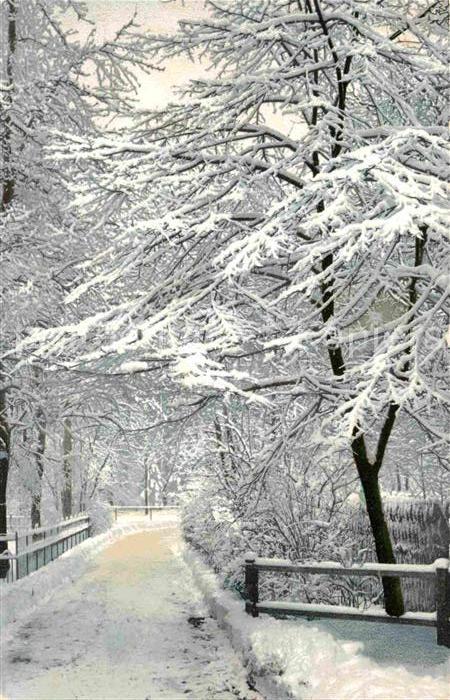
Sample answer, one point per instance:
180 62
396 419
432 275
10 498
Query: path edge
241 630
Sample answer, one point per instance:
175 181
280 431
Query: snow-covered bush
101 516
220 527
294 515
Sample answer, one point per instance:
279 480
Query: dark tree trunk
368 475
4 468
383 545
82 501
219 443
8 186
368 471
66 496
41 428
36 520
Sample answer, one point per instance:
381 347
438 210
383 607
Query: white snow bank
308 661
19 598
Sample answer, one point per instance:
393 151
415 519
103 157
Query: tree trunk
385 553
219 443
82 500
8 186
66 496
368 474
41 427
37 493
367 471
4 468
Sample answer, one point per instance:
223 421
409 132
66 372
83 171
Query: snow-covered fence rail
33 549
148 509
438 572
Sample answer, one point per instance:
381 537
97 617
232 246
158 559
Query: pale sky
162 17
154 16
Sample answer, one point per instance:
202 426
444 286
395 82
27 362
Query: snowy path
122 632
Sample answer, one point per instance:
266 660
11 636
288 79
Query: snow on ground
30 591
125 629
122 618
329 659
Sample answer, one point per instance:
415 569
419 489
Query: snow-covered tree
52 78
282 227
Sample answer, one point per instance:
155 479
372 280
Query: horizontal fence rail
30 550
148 509
439 571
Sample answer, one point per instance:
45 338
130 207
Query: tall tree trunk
8 186
40 449
66 496
41 427
82 500
367 472
9 183
392 590
369 478
219 444
4 468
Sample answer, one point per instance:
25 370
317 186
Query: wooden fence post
443 602
251 587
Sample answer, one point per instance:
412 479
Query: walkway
129 629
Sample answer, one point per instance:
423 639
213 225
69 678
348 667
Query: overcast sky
154 16
162 17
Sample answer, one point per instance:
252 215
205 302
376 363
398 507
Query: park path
126 630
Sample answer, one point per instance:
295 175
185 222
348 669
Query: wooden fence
437 572
31 550
148 509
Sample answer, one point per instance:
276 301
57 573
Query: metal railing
438 571
148 510
29 551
